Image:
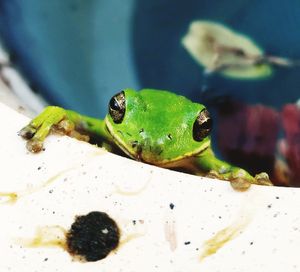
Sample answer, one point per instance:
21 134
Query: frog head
158 127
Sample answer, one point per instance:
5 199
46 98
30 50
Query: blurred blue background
79 53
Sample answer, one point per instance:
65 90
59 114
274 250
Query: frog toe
27 132
263 179
240 184
213 174
34 145
64 127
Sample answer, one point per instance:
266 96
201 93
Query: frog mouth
122 145
136 150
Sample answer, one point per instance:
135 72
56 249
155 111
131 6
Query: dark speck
141 130
134 222
172 206
220 217
187 242
277 197
170 136
39 168
270 206
93 236
134 144
50 191
46 259
128 134
251 243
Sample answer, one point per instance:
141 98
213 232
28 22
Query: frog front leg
239 178
65 122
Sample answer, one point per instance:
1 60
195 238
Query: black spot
134 144
141 130
170 136
93 236
172 206
187 243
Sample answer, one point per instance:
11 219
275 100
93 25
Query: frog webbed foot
240 179
51 119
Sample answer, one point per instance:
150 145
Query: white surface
87 179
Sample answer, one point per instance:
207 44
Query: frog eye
116 107
202 126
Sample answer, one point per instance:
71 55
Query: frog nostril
134 144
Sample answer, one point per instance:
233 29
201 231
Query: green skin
157 128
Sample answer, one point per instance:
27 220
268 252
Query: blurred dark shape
247 135
290 146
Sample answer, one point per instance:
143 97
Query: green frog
152 126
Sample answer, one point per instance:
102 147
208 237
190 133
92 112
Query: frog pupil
114 104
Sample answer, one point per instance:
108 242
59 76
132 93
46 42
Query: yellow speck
8 198
47 236
222 237
129 238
